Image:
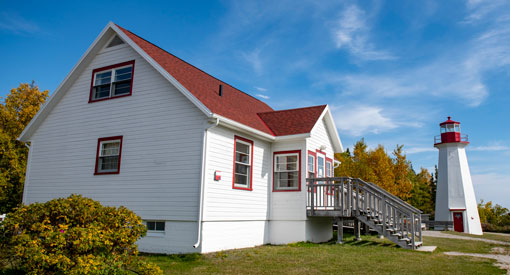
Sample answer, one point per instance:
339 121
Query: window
286 169
329 167
311 164
155 226
108 155
243 157
320 166
112 81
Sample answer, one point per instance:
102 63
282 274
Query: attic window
115 41
112 81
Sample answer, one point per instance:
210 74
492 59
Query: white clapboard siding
222 202
320 137
289 206
161 151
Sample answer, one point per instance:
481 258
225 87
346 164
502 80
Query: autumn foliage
16 111
392 172
73 235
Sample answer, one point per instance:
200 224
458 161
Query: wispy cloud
352 33
260 89
416 150
16 24
480 9
263 96
362 119
253 58
487 148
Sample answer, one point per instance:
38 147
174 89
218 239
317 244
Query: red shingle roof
234 104
292 121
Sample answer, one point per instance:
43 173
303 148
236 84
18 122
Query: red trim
460 209
299 173
314 154
132 62
329 191
251 165
99 140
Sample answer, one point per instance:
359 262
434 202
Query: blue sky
390 70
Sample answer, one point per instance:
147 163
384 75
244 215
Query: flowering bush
73 235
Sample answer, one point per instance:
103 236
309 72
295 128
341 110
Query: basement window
243 158
108 156
112 81
155 226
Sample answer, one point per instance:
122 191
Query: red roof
233 104
293 121
449 121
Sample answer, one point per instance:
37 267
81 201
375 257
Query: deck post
312 202
357 228
340 230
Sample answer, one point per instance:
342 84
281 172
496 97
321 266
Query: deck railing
349 197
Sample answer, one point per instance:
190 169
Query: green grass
487 236
369 256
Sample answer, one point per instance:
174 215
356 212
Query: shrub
73 235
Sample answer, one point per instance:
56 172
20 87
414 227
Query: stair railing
349 197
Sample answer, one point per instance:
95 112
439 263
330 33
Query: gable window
112 81
108 155
243 158
286 169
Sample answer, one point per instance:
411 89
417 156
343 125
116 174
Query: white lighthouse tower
455 197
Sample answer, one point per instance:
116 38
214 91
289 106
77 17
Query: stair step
416 244
405 239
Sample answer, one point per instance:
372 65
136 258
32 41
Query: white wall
161 152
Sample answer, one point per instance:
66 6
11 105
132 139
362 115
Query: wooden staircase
348 198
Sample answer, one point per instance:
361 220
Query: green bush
73 235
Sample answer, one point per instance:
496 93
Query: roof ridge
192 65
295 109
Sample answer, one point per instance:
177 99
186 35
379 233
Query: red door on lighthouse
458 222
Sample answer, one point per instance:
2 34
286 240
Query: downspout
202 182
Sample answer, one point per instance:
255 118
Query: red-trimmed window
329 167
109 151
243 159
321 164
311 164
286 171
112 81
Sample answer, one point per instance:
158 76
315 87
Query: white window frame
112 82
313 165
323 166
155 232
329 168
277 186
249 176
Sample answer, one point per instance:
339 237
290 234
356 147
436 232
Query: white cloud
253 58
362 119
487 148
260 89
481 9
352 33
16 24
263 96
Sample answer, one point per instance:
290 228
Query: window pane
241 180
123 74
311 164
243 148
320 166
110 148
449 127
242 169
328 169
122 88
286 163
160 226
287 179
240 157
109 164
103 78
151 225
101 91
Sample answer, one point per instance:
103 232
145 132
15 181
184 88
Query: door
458 222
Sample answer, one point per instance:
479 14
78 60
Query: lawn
486 235
369 256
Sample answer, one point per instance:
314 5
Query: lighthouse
455 197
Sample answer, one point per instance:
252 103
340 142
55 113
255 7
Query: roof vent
115 41
221 90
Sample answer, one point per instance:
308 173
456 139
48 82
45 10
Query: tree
16 111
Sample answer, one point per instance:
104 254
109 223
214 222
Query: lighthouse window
443 129
457 128
449 127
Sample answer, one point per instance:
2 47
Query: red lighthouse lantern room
450 133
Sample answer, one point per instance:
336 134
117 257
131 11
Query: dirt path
503 260
439 234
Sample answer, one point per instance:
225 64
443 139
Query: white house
206 166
